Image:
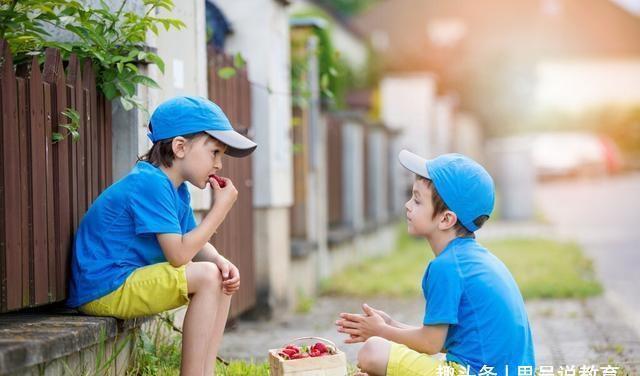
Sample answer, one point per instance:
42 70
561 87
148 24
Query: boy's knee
207 275
371 356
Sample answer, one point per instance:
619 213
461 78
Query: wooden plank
51 215
37 167
25 194
73 82
81 147
11 246
87 77
102 156
95 188
366 173
108 142
5 71
54 75
334 164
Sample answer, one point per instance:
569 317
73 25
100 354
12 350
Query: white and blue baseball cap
464 185
183 115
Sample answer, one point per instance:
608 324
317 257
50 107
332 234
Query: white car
563 154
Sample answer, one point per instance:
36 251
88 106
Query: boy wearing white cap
474 311
138 250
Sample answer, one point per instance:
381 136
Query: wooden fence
335 162
235 238
46 187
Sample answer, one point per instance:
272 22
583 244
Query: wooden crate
329 365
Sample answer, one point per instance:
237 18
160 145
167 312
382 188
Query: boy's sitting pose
474 310
138 250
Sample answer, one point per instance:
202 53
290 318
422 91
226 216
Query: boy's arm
180 249
207 253
428 339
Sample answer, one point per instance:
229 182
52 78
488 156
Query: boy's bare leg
218 330
373 357
205 284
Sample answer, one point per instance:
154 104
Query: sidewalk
566 332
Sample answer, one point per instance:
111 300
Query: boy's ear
448 220
178 146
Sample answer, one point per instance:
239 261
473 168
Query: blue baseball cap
464 185
183 115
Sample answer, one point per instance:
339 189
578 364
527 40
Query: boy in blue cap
138 250
474 311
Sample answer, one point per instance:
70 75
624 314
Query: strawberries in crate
298 352
320 359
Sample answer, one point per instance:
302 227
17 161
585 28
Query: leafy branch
113 41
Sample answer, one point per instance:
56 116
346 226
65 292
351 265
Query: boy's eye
416 201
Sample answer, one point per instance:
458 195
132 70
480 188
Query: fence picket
45 188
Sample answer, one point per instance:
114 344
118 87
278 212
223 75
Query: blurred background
544 93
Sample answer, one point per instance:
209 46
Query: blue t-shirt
118 233
470 289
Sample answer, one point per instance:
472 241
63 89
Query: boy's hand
230 275
224 198
387 319
361 326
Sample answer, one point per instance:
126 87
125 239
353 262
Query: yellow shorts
148 290
406 362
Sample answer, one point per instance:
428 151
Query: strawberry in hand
220 181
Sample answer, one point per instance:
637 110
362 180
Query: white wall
185 73
261 35
575 85
442 140
468 138
349 45
408 104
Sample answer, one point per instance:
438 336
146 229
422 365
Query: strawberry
320 347
290 352
220 181
300 355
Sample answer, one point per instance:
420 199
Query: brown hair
161 153
439 206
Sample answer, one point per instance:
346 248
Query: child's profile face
202 158
420 221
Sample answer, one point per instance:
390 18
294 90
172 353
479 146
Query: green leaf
146 81
109 90
238 61
72 114
226 73
126 104
156 60
324 81
56 137
127 88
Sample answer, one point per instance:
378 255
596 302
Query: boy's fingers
350 324
354 340
224 270
355 332
233 279
352 317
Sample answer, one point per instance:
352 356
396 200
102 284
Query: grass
543 268
162 358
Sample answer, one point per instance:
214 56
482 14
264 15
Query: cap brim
413 163
237 145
